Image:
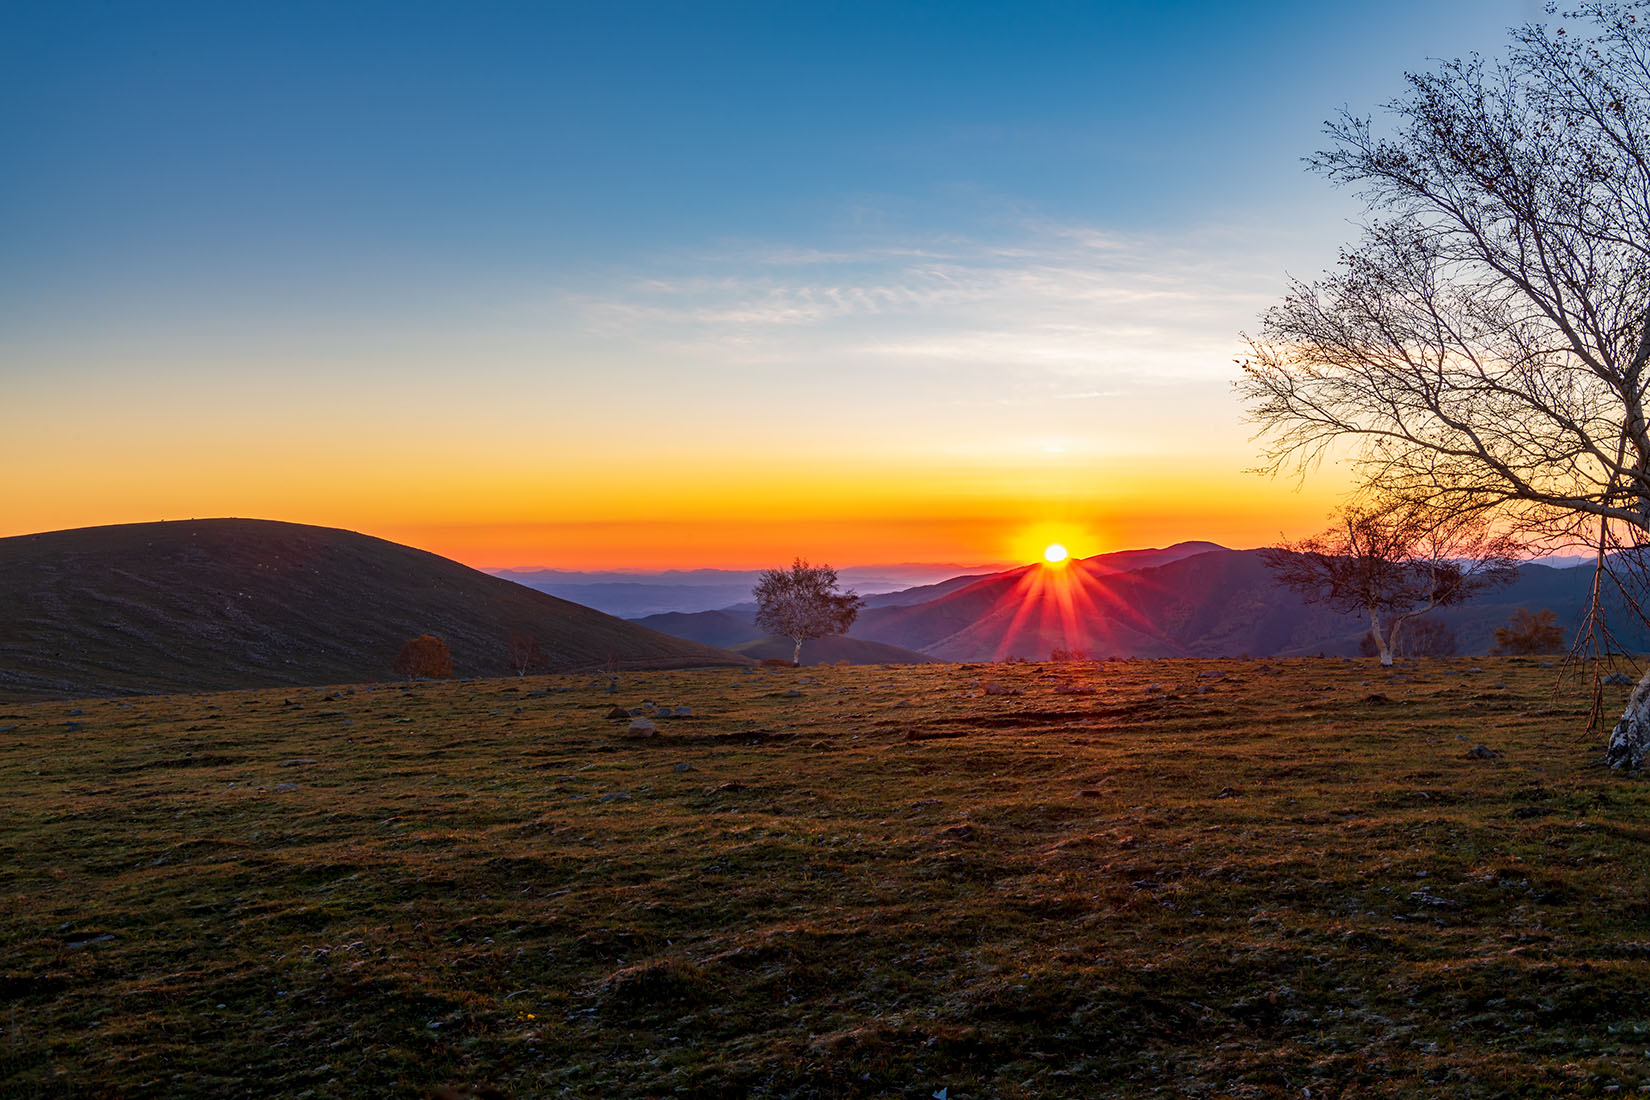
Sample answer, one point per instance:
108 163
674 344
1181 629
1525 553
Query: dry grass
1139 878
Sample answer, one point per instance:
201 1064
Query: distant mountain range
633 595
1187 600
211 604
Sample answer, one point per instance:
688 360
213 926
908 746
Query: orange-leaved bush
1529 632
425 657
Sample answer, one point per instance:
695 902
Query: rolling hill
227 603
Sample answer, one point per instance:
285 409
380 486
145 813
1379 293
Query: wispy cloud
1062 301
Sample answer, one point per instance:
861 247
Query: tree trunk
796 657
1382 646
1631 737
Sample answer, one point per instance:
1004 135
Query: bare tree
1488 340
1487 343
1393 565
804 602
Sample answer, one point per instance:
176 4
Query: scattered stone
684 766
1617 679
793 694
1212 675
959 832
1630 739
996 687
728 788
1088 792
1228 792
923 803
297 762
641 727
1482 752
617 712
1377 698
77 712
1431 900
72 726
616 796
281 788
901 703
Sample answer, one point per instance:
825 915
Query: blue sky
1010 230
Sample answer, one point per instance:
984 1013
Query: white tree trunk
796 657
1631 737
1382 646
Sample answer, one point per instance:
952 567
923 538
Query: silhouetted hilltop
225 603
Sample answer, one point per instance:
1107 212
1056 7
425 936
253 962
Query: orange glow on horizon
702 513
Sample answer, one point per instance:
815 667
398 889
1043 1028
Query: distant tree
425 657
1394 563
525 654
804 602
1529 633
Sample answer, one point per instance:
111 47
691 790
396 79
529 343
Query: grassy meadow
1134 878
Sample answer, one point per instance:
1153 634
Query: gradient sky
643 285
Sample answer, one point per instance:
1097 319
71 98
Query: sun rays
1065 603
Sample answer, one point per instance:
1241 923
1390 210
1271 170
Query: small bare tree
804 602
525 653
1394 564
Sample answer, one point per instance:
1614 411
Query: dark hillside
718 628
223 603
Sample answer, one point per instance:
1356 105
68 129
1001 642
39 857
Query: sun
1054 553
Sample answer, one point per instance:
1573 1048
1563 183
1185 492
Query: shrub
1528 632
425 657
